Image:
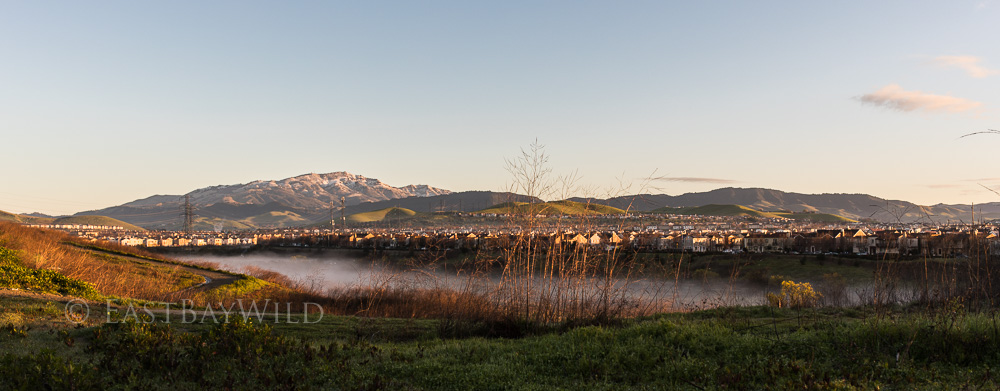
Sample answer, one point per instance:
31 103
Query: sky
106 102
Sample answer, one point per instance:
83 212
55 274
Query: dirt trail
213 279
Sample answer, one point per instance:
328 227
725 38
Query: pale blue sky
102 103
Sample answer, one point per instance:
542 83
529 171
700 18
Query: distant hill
96 220
552 208
851 206
740 210
815 217
716 210
24 219
5 216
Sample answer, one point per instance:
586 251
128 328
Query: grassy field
726 348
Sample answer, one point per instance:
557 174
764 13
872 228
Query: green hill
96 220
740 210
716 210
381 215
564 207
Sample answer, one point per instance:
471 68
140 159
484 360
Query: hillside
716 210
564 207
850 206
4 216
381 215
740 210
24 219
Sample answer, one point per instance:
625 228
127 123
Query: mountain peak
307 192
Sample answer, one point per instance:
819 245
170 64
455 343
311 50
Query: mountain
264 203
312 199
852 206
310 191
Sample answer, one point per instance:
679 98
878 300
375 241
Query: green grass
727 348
241 287
552 208
96 220
13 274
169 274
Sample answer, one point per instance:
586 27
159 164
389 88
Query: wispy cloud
698 180
895 97
942 186
969 64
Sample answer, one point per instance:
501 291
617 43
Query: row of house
855 241
78 227
170 241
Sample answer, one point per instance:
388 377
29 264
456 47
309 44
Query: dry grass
45 249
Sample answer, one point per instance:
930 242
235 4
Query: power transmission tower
343 211
188 214
333 219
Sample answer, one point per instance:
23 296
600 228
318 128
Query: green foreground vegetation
727 348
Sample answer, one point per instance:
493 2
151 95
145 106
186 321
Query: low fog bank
334 271
326 271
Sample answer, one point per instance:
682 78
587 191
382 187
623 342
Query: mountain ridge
316 198
850 205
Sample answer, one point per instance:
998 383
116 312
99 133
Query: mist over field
329 271
333 271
